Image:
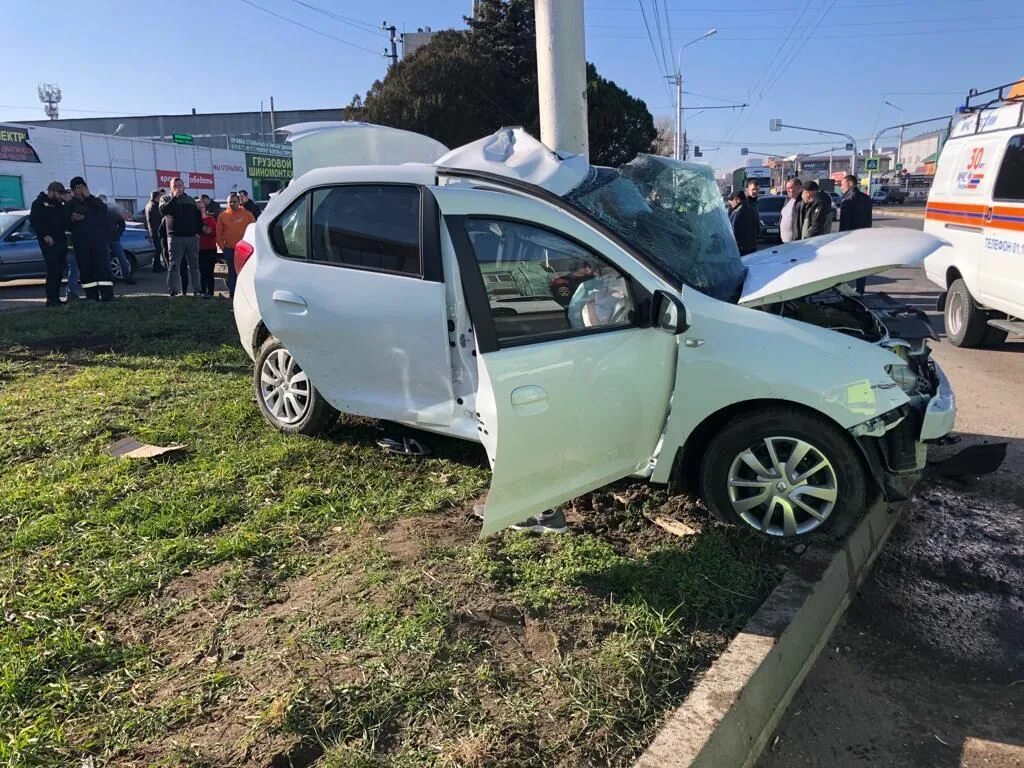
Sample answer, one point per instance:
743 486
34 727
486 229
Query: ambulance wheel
287 398
966 324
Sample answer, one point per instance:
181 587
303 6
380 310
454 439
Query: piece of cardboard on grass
130 448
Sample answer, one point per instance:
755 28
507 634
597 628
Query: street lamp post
679 91
778 125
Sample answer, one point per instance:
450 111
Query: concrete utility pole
273 121
562 75
678 78
394 43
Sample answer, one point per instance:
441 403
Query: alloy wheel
782 486
284 387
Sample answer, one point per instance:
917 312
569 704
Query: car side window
288 233
1010 181
539 283
368 226
26 231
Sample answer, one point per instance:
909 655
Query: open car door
574 390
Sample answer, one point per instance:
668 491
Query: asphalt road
927 668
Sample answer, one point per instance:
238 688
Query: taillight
243 251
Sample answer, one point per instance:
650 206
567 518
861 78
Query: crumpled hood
515 154
806 267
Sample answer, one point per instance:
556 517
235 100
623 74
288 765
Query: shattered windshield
672 212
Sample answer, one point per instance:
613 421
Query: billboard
192 179
266 167
259 147
14 146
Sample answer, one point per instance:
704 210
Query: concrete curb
728 718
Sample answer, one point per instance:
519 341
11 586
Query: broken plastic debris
130 448
407 446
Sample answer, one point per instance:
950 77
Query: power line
922 33
654 49
310 29
668 26
915 22
362 26
669 61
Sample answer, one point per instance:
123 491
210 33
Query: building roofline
183 114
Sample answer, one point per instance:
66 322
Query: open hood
515 154
808 266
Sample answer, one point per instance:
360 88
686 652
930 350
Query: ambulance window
1010 182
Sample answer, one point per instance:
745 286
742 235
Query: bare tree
664 144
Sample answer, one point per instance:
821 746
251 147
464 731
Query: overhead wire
362 26
654 49
310 29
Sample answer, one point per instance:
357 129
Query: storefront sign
229 167
192 179
183 138
260 147
14 146
265 167
197 180
11 196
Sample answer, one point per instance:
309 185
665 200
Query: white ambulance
977 204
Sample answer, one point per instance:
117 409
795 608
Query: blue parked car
20 256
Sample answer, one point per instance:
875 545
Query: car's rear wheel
783 472
287 398
965 322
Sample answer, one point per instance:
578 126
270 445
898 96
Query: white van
977 204
587 324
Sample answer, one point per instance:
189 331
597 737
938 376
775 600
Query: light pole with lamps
679 90
778 125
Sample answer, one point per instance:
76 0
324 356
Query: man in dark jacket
746 225
212 206
854 207
854 213
89 222
49 222
815 213
183 223
249 204
153 221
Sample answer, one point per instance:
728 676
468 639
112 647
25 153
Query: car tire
965 322
744 483
289 404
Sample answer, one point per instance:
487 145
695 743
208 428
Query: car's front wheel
287 398
782 472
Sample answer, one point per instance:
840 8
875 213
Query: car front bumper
897 458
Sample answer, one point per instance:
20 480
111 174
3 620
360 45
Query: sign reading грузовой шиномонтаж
266 167
14 145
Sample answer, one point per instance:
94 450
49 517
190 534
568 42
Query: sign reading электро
14 146
266 167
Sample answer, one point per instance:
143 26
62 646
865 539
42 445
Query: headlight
903 376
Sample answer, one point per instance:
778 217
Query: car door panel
373 343
22 257
557 416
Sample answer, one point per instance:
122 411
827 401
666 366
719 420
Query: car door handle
530 399
287 297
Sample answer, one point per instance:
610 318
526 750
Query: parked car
977 204
639 342
888 196
769 208
21 257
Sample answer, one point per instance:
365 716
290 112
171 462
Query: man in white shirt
789 223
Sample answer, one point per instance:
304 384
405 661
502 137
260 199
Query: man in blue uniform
89 223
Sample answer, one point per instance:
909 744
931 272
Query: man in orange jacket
231 226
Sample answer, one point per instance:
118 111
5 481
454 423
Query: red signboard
197 180
192 179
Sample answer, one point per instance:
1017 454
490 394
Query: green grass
517 650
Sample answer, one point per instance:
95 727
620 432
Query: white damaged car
589 324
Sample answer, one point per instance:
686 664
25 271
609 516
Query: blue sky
821 63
